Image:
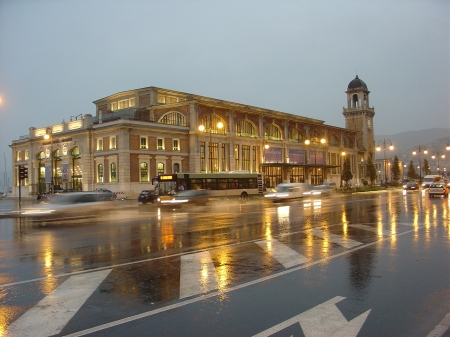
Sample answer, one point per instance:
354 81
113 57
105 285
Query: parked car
104 194
193 197
147 196
438 189
411 186
43 196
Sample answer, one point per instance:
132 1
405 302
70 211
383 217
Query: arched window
245 129
100 173
333 141
113 172
176 168
173 118
160 168
144 172
210 123
348 143
295 136
40 155
273 132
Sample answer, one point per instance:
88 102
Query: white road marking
340 240
385 232
324 320
197 274
282 253
51 315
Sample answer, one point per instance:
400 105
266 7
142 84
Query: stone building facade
137 134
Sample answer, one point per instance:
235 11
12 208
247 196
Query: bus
223 185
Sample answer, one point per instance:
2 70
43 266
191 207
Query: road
370 264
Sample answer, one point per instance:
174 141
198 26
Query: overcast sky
57 57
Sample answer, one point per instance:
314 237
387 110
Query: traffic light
23 172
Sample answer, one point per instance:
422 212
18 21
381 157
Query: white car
288 191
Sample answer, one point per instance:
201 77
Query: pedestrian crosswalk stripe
197 274
384 232
51 315
282 253
340 240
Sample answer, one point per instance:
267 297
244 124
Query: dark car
147 196
193 197
411 186
104 194
43 196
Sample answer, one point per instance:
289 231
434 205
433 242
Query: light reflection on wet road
145 246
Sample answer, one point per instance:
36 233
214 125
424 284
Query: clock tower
359 116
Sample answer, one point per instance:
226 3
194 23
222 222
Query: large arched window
173 118
211 124
348 143
272 132
245 129
100 173
160 168
113 173
295 136
333 141
144 172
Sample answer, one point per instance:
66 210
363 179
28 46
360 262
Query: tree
395 169
371 172
426 167
412 174
347 174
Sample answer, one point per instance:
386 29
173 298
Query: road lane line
385 232
282 253
224 291
340 240
197 274
50 315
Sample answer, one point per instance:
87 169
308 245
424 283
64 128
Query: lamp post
391 147
307 142
418 150
49 135
202 128
342 164
436 156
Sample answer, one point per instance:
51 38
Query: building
137 134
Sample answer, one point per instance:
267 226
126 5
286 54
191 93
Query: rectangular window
236 157
100 173
112 142
132 102
100 144
176 145
144 143
123 104
19 156
114 106
27 154
254 159
224 165
160 144
202 157
113 170
246 157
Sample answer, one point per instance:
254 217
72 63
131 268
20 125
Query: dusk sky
57 57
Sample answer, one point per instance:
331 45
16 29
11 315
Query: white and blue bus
226 185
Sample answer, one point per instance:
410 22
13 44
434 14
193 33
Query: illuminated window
100 144
27 154
123 104
173 118
176 145
113 171
100 173
144 143
112 142
144 172
273 132
19 156
160 143
160 168
245 129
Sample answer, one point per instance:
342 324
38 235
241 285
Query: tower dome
357 83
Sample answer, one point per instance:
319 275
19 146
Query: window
176 168
272 132
112 142
160 143
113 169
160 168
164 99
245 157
236 157
100 144
176 145
27 154
144 143
144 172
202 157
19 156
245 129
254 159
100 173
295 136
334 141
123 104
173 118
114 106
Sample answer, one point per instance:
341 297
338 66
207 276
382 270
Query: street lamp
203 128
342 164
307 142
418 150
49 135
436 156
391 147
